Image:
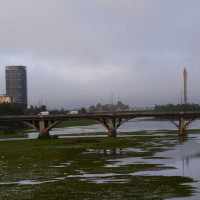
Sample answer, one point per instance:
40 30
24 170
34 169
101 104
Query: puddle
114 151
62 165
99 181
26 182
100 178
92 175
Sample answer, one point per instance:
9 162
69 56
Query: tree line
107 107
177 107
11 109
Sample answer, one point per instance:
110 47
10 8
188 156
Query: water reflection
185 161
114 151
111 152
183 138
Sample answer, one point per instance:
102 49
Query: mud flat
157 165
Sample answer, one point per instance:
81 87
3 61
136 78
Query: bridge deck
126 114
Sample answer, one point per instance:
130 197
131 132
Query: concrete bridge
110 120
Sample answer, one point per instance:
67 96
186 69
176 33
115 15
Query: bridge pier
182 127
42 126
112 128
113 124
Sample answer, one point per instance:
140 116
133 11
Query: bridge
110 120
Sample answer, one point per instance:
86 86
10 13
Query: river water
185 157
139 124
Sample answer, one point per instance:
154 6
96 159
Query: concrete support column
42 128
112 128
181 126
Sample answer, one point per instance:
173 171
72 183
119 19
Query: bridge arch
42 126
182 126
191 120
113 124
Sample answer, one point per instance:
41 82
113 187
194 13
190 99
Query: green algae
75 168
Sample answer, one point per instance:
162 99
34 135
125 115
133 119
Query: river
184 157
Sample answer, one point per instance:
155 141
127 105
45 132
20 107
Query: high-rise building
16 83
185 86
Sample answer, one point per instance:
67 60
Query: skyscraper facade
16 83
185 86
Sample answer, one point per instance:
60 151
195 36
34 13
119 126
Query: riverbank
89 168
70 123
19 133
22 133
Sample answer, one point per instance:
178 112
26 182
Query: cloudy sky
78 52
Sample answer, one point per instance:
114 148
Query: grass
65 163
70 123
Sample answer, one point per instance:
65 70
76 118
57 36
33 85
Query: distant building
16 83
6 98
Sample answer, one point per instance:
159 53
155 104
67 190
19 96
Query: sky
79 52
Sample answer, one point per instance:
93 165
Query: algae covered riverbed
129 167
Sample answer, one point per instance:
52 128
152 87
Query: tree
82 111
11 109
177 107
99 107
92 109
43 108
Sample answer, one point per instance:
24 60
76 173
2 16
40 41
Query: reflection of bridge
110 120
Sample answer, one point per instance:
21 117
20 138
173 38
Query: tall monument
185 85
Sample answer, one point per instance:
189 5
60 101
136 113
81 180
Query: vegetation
178 107
107 107
10 128
69 123
77 168
34 110
11 109
93 108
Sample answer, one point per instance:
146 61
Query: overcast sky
78 52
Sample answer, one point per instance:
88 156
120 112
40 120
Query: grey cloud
78 51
